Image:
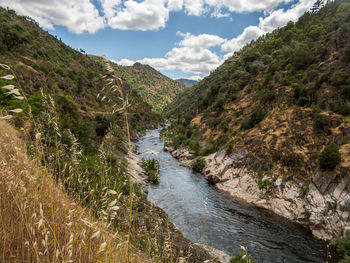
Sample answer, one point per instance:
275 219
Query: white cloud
124 62
195 77
195 7
191 55
175 5
146 15
277 18
203 40
109 7
77 15
251 5
218 13
250 33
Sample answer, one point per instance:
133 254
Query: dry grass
26 223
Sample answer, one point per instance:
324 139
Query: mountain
278 112
187 82
154 88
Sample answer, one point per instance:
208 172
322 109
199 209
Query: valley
249 164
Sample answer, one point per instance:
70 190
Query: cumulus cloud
77 15
175 5
202 41
195 7
146 15
250 33
191 55
251 5
195 77
109 7
275 19
124 62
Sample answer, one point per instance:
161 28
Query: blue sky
180 38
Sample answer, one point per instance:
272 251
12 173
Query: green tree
330 157
343 248
198 164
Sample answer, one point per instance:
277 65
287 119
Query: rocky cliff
323 206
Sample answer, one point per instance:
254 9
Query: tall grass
52 228
26 228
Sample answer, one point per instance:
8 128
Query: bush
242 257
219 104
256 117
338 78
151 167
302 57
343 248
320 122
194 147
198 164
342 109
209 148
330 157
346 54
346 92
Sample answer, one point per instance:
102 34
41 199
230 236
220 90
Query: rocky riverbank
323 205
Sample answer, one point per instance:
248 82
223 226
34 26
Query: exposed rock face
323 205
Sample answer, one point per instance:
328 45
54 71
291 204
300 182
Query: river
209 216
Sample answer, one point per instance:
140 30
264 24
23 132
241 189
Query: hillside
271 109
154 88
187 82
25 203
75 118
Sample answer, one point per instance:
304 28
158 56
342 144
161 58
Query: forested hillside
154 88
74 117
284 97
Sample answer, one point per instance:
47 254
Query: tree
330 157
317 6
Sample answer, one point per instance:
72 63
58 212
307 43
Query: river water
209 216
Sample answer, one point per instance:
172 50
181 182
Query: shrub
224 124
264 184
219 104
194 147
242 257
346 54
302 57
198 164
346 92
320 122
151 166
342 109
266 95
330 157
178 141
338 78
256 117
209 148
343 248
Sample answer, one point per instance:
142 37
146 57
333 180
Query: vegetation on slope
154 88
284 97
30 231
74 113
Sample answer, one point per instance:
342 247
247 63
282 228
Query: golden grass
26 225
